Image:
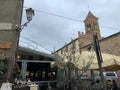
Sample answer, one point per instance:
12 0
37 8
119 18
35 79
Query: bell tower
91 25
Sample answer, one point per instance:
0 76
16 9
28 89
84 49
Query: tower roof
90 15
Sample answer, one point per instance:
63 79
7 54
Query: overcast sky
53 31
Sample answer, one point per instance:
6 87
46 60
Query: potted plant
2 65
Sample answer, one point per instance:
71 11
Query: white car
109 75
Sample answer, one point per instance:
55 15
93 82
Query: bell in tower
91 25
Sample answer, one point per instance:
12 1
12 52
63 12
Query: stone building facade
84 42
10 18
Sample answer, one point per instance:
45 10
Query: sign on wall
5 26
5 45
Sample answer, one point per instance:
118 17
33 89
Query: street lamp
29 14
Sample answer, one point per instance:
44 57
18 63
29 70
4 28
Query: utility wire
60 16
109 27
53 14
26 43
36 43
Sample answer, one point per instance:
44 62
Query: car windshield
110 74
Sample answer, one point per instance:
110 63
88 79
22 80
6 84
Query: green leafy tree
2 65
69 62
3 68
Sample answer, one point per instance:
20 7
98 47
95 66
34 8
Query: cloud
54 31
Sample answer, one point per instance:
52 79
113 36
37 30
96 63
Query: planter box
20 87
33 87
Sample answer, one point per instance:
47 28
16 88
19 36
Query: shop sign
5 26
5 45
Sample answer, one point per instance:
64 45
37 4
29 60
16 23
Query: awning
86 58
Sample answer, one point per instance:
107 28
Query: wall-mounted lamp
29 15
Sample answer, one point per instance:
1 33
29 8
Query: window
88 27
95 25
23 56
110 74
41 57
30 57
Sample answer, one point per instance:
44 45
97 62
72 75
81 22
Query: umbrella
110 62
88 59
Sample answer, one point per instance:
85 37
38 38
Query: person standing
115 86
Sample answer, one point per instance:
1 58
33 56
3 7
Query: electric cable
36 43
69 18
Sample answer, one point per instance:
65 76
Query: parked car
108 75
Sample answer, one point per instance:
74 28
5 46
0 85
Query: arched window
95 25
88 26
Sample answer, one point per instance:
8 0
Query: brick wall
111 44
